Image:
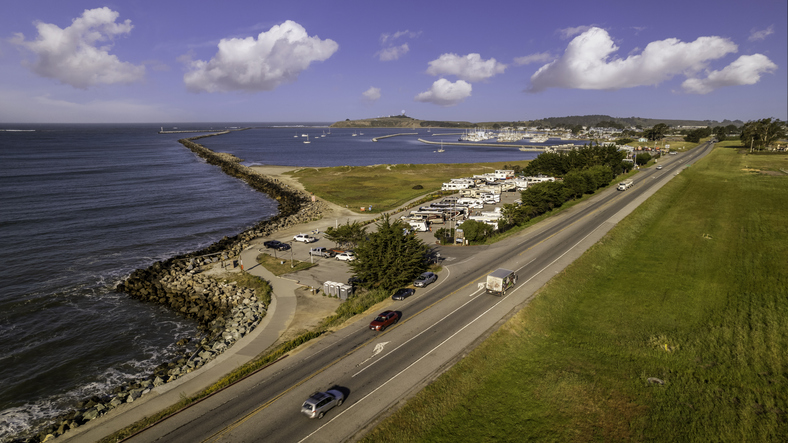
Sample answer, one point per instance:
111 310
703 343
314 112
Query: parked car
321 252
276 244
346 256
384 320
306 238
403 293
319 403
425 279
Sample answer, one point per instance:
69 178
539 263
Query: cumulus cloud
540 57
393 52
470 67
446 93
372 94
248 64
746 70
587 62
79 54
756 35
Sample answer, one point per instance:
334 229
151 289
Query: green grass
386 187
691 288
283 264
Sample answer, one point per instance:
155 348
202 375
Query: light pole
291 254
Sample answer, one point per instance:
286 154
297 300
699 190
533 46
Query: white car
346 256
306 238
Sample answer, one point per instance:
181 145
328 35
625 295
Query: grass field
386 187
690 289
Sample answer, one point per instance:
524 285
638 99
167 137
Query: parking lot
331 269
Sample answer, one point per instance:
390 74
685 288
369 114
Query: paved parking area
331 269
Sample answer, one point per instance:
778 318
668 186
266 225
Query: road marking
378 349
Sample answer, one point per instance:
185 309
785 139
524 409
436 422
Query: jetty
189 131
496 145
394 135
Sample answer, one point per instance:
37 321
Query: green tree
543 197
762 133
388 258
476 231
642 158
657 132
348 235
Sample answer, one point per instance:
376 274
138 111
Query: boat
441 149
354 133
307 139
295 136
324 134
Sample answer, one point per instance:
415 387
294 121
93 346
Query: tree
475 230
762 133
657 132
388 258
642 159
347 235
543 197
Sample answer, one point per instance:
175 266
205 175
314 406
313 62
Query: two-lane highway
439 325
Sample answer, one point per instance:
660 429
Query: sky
140 61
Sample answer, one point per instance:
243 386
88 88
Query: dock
394 135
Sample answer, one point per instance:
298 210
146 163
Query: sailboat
307 139
324 134
354 133
441 149
296 136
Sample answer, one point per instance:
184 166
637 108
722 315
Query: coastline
225 312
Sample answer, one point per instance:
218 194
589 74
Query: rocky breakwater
225 312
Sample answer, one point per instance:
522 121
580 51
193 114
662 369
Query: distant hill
592 120
403 121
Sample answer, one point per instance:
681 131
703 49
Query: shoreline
225 313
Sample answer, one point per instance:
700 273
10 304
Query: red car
384 320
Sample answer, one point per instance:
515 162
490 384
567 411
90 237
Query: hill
403 121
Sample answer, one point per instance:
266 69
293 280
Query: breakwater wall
394 135
225 312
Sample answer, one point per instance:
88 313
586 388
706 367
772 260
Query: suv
425 279
306 238
276 244
319 403
346 256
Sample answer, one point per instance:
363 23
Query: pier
188 131
394 135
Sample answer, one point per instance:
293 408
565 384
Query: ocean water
82 206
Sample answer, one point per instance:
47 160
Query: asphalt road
378 371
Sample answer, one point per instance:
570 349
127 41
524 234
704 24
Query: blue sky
70 61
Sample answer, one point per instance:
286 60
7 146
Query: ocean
82 206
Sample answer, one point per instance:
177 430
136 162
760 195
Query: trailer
499 281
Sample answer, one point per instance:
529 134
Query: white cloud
392 53
77 55
761 34
248 64
540 57
446 93
384 38
372 94
746 70
586 63
470 67
571 32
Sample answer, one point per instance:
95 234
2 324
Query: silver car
319 403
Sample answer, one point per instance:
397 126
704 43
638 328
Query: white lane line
415 336
448 338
